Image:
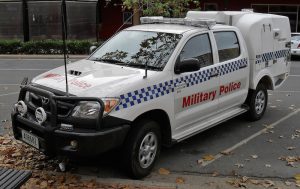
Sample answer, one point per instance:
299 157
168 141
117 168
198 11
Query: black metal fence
35 20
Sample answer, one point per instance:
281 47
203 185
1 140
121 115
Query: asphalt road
245 139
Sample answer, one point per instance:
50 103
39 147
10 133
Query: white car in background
295 47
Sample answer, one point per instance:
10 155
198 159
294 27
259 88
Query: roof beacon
248 10
182 21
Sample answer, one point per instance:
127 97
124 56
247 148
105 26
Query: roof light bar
182 21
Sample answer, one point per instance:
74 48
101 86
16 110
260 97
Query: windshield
135 48
296 38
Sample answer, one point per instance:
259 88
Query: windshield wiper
143 66
118 62
107 60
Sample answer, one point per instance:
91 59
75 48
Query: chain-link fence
35 20
11 20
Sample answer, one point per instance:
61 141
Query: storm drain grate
13 179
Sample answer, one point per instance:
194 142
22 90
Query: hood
89 78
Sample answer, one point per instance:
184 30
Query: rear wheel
142 148
257 101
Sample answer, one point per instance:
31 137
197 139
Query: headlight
91 109
86 109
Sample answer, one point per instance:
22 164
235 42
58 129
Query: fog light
74 144
21 107
40 115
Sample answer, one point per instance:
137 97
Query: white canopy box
267 37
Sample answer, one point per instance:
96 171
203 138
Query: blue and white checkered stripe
271 56
195 78
232 66
145 94
282 53
155 91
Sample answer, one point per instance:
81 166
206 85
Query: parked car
156 84
295 46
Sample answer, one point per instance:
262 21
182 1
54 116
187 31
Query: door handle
243 66
214 74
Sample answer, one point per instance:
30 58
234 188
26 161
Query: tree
167 8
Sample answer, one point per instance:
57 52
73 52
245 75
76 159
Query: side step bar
216 121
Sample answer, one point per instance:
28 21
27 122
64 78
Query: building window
210 6
11 20
127 17
260 8
291 11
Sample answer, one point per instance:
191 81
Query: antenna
146 69
64 36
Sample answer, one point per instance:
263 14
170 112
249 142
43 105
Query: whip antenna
64 36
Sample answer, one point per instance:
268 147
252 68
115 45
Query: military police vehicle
156 84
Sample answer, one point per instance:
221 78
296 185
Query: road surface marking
245 141
7 94
21 59
24 69
285 92
3 84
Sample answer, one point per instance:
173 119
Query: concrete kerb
35 56
157 181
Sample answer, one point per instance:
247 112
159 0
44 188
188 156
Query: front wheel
257 101
142 148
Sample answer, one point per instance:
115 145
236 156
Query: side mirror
92 49
187 65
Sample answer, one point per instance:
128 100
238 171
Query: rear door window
228 45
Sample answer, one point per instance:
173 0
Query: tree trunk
136 14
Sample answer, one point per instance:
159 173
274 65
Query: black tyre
257 101
142 148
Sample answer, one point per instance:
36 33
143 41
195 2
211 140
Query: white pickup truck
156 84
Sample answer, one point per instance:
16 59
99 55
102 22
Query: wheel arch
162 118
265 79
267 82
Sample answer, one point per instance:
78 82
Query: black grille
63 108
74 72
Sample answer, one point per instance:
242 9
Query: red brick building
113 17
100 19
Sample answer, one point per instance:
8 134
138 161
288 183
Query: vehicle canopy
267 38
263 33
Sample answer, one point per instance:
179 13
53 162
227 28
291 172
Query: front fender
164 103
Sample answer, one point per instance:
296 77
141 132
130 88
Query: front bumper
54 141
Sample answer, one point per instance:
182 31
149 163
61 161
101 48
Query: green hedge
10 46
45 47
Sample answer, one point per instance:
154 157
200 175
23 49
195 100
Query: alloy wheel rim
260 101
148 149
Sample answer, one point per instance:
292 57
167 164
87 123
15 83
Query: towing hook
63 164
